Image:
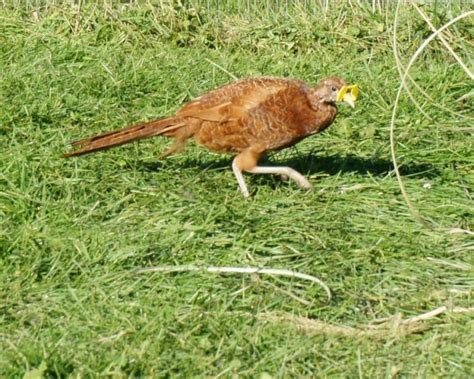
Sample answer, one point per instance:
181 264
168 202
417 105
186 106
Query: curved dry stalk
392 326
425 94
400 72
400 68
457 231
238 270
413 210
436 312
445 43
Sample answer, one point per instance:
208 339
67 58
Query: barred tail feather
125 135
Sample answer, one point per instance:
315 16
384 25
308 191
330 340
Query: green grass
73 231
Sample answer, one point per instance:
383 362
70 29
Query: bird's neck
324 115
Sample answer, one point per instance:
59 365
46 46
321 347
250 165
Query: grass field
73 232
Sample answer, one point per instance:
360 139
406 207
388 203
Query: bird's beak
348 94
349 99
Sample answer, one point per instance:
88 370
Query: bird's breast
321 120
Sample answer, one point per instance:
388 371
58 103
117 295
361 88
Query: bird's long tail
126 135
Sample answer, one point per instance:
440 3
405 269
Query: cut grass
72 232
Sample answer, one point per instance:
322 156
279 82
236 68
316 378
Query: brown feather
234 106
125 135
248 117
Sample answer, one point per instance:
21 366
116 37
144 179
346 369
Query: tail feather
125 135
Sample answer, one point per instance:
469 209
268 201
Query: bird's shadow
311 164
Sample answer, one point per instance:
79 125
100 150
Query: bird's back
238 90
266 111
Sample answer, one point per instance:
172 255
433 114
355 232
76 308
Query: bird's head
334 89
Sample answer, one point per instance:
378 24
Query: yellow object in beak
348 97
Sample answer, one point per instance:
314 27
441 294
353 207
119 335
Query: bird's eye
334 89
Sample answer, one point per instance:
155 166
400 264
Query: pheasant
247 118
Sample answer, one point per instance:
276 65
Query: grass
73 232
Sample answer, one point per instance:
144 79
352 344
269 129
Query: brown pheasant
248 117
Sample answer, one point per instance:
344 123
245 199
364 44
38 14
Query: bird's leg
245 161
282 171
240 178
180 136
177 146
283 177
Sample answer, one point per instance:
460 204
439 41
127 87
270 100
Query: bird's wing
235 100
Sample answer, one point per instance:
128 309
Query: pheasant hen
247 118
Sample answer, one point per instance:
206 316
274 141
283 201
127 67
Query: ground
74 231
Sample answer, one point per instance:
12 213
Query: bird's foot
304 183
287 172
